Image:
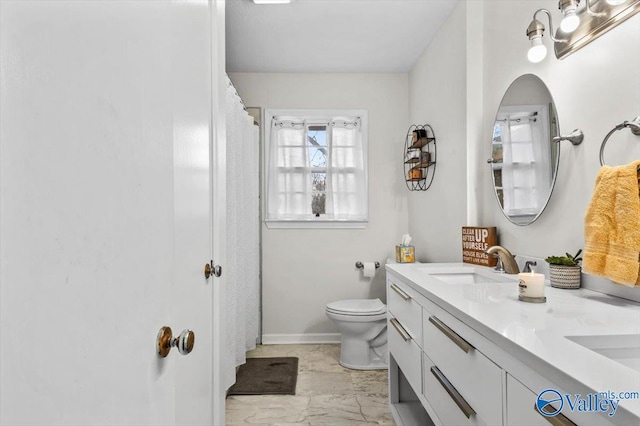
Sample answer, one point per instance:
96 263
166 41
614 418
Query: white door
105 212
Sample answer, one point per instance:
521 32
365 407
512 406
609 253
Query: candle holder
542 299
531 287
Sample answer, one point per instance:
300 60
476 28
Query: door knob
217 270
209 269
165 341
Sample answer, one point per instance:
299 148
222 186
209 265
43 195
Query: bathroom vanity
464 350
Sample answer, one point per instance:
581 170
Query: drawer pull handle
557 420
402 293
453 393
403 333
455 338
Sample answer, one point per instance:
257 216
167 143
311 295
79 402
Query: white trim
289 339
317 224
217 158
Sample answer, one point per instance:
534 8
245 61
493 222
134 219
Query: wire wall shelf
419 157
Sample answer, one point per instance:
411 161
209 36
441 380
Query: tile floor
326 393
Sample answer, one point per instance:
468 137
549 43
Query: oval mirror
524 158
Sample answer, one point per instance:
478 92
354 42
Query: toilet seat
357 307
369 318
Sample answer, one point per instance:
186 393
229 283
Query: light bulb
616 2
570 21
537 51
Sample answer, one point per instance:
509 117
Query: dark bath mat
266 376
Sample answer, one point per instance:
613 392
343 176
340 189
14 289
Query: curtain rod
532 117
278 122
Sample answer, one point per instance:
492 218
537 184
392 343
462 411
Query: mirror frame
555 162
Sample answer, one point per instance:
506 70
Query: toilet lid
358 306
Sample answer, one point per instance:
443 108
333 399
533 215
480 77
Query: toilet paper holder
360 265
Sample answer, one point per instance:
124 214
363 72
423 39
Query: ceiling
331 36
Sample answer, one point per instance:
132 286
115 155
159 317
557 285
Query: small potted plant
564 271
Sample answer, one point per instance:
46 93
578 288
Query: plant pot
562 276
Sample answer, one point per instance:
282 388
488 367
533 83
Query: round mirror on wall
524 158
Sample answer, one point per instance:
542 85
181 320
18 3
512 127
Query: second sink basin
622 348
466 275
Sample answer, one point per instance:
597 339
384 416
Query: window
316 169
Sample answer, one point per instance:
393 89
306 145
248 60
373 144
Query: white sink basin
622 348
467 275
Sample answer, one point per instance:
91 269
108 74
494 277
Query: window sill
316 224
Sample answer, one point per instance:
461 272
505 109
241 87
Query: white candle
531 284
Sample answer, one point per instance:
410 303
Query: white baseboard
289 339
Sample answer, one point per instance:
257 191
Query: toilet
363 330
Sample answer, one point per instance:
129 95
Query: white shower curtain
242 250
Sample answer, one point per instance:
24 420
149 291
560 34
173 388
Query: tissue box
405 254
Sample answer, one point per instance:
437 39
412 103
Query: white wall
303 270
594 89
437 96
456 86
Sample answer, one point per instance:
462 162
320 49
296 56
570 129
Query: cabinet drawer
521 403
402 304
476 377
406 353
449 405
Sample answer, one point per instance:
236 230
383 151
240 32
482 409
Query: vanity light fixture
569 8
535 31
576 137
570 20
579 25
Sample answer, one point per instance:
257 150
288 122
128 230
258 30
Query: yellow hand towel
612 226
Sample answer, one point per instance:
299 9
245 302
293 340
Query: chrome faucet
528 264
499 268
508 260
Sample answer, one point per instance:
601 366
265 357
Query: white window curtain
346 172
289 174
289 170
518 170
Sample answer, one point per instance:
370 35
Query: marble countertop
493 310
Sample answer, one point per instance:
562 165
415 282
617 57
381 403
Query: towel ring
634 125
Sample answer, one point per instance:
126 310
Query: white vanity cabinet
439 373
442 371
404 331
521 409
448 404
455 383
451 346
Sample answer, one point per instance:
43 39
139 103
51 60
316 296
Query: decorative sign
475 241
